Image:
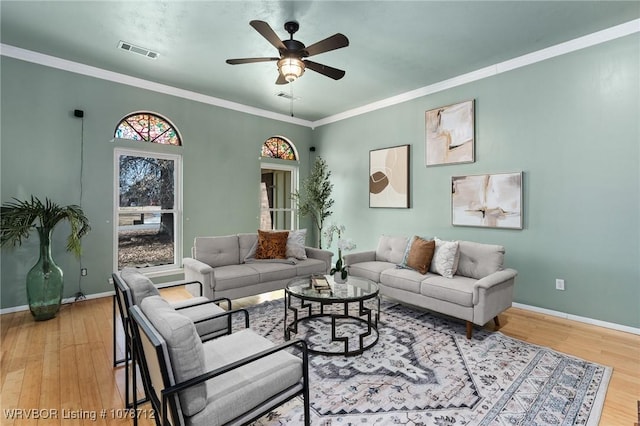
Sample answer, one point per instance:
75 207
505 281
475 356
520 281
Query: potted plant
340 271
45 280
315 198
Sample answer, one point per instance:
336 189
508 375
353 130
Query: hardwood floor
62 368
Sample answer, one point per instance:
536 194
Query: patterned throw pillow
445 258
272 245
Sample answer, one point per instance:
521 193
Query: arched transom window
148 127
276 147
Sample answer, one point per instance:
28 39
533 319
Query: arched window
276 147
279 180
148 195
148 127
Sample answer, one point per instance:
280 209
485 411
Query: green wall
41 152
571 124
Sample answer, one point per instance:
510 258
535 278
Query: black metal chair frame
124 300
168 406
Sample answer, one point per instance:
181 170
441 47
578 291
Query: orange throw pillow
272 245
421 254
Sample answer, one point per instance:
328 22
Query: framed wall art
450 134
491 200
389 177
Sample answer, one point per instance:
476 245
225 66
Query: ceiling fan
291 63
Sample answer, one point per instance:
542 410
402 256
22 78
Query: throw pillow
421 254
445 258
405 256
272 245
295 244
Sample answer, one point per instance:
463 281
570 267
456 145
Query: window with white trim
279 178
147 199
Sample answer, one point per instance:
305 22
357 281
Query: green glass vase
44 281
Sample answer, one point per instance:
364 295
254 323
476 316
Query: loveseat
231 266
464 279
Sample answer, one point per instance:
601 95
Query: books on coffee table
320 284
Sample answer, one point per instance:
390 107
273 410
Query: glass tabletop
322 287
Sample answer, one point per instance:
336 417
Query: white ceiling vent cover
287 96
137 49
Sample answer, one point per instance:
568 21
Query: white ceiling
395 46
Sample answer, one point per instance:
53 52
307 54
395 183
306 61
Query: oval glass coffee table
335 317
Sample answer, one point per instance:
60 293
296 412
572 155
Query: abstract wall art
491 200
450 134
389 177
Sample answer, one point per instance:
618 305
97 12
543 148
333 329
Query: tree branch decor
314 199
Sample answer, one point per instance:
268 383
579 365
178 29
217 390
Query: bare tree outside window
146 211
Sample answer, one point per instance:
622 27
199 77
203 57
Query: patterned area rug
424 371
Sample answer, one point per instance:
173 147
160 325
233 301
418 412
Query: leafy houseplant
45 280
315 198
343 244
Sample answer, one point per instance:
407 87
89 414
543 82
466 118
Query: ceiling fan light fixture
291 68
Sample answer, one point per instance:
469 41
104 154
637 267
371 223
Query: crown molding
579 43
83 69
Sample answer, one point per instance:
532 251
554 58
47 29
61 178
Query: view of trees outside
146 218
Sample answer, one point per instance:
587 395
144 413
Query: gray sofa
480 289
224 266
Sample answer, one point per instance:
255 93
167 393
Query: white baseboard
64 302
605 324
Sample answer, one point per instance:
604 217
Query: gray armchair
231 380
131 287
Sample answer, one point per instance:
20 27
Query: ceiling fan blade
331 72
281 79
265 30
334 42
250 60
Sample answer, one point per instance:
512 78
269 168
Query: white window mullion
149 206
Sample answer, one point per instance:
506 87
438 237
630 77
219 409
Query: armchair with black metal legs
131 287
231 380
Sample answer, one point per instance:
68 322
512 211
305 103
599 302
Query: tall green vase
44 281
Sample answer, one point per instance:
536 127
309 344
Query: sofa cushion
217 251
184 347
141 286
479 260
310 266
370 270
197 312
248 244
272 244
402 279
445 258
233 276
236 392
419 254
458 290
295 244
391 249
273 271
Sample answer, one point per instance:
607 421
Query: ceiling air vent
137 49
287 96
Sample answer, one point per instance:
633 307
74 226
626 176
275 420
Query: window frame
177 211
292 167
154 140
